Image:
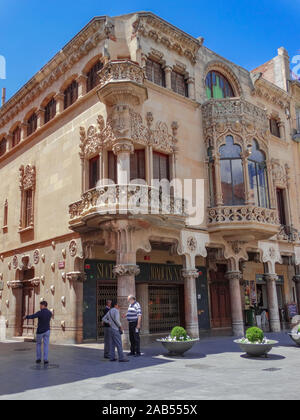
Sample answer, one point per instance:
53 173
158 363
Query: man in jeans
43 331
134 318
113 319
107 331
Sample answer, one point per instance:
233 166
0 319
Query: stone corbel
270 255
76 276
126 270
192 244
15 284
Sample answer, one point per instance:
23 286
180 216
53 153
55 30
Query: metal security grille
104 292
164 311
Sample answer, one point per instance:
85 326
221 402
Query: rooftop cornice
269 91
80 45
152 26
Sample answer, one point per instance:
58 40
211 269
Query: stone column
219 195
168 71
248 195
142 295
281 130
23 127
123 150
190 302
191 88
297 283
234 278
74 315
126 286
40 117
81 80
60 102
272 302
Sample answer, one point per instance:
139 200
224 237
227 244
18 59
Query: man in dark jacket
43 331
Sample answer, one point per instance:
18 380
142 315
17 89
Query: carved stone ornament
15 262
191 243
190 273
126 270
36 256
27 177
73 248
76 276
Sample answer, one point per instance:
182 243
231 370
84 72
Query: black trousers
134 337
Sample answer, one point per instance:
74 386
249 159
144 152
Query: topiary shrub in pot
178 342
255 343
295 335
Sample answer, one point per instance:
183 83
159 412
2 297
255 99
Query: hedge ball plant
179 334
255 335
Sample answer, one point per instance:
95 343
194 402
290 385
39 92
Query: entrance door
28 309
104 292
220 299
164 308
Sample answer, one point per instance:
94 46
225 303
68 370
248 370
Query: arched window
232 176
3 144
50 110
31 124
258 178
16 136
155 72
71 94
217 86
92 76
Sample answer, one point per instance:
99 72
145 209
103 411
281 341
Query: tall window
50 110
31 124
5 214
155 73
281 206
137 165
3 144
211 176
92 76
112 166
71 94
28 208
258 177
298 119
93 172
274 127
217 86
179 84
16 136
232 176
161 169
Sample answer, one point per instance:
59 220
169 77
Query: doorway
220 298
28 303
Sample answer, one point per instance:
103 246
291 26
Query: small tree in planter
178 342
255 343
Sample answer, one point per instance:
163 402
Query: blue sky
246 32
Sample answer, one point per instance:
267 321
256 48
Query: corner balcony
251 222
126 201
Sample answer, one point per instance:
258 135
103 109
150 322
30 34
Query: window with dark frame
3 144
161 166
28 208
70 94
92 76
217 86
5 215
94 172
258 176
274 127
16 136
281 206
137 165
155 73
50 110
179 84
112 166
31 124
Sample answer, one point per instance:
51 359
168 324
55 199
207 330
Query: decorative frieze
126 270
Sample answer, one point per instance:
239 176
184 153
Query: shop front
159 289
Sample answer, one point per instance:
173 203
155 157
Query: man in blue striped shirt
134 318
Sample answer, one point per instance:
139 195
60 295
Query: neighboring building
133 97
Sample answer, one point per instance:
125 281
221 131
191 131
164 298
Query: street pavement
214 369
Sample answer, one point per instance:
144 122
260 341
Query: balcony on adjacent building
296 129
133 201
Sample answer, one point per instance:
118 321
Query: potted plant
178 342
255 344
295 335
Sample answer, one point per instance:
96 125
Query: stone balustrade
229 214
126 199
121 71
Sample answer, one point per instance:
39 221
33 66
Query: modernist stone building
135 98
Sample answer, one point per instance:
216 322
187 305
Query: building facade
135 100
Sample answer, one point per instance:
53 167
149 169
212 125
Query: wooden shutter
112 166
92 76
93 172
137 165
16 137
50 110
161 168
2 147
280 205
28 207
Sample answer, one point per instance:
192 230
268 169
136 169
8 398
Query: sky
245 32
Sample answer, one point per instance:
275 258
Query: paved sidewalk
213 369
